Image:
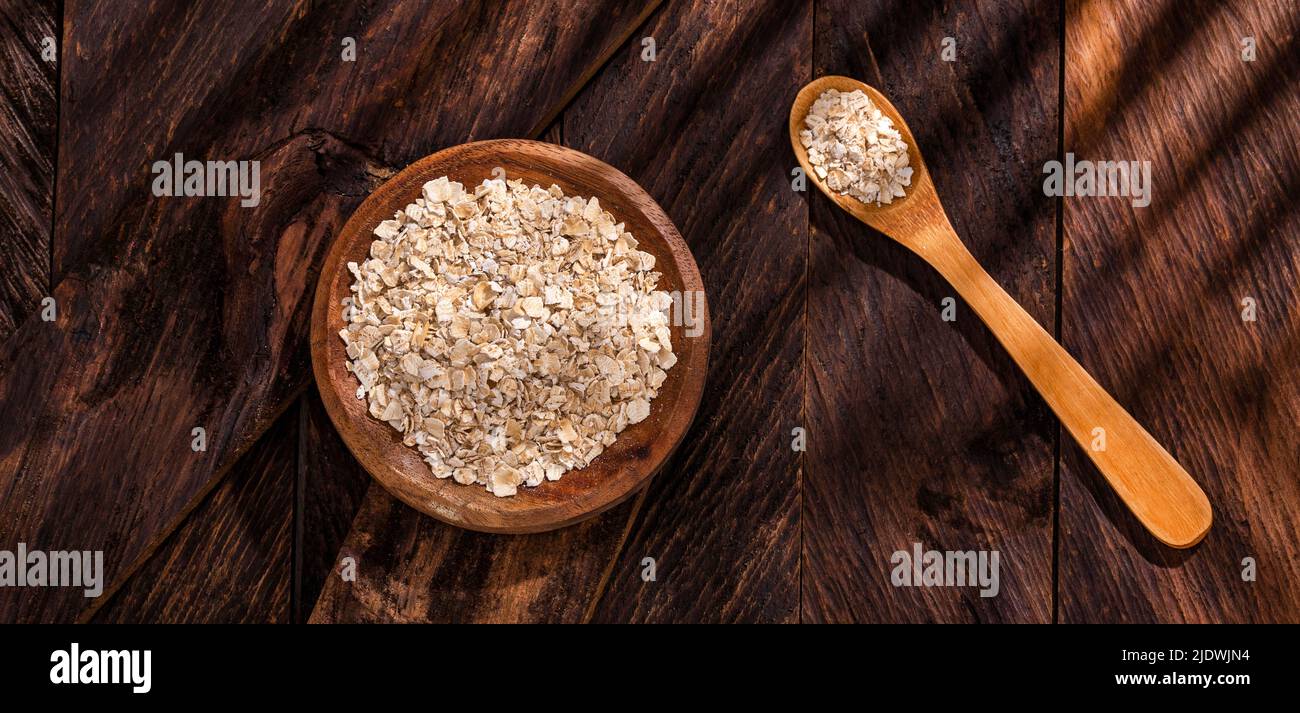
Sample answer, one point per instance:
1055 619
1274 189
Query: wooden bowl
626 465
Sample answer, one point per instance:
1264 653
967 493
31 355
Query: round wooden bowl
626 465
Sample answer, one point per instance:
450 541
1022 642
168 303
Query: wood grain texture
1152 300
142 357
330 488
622 468
921 430
412 568
701 129
277 71
192 312
187 312
231 560
27 138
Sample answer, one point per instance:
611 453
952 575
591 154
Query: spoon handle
1158 491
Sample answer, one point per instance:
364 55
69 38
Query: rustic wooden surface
412 568
231 562
180 313
922 430
1152 301
919 430
291 497
722 522
328 494
28 123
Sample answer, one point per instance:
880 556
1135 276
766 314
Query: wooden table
183 313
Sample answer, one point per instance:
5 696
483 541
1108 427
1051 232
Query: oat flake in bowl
509 333
855 148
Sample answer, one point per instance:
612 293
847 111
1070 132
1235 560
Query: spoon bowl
921 187
1160 494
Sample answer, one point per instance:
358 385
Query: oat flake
855 148
509 333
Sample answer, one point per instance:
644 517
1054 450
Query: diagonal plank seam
596 68
166 533
603 583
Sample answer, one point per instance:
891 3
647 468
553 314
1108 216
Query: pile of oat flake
855 148
509 332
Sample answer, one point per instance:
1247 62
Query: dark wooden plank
231 560
101 452
921 430
425 77
1152 301
269 74
27 138
330 488
192 312
702 129
414 569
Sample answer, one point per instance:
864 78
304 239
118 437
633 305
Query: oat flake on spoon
855 148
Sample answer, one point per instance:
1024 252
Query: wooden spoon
1150 482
